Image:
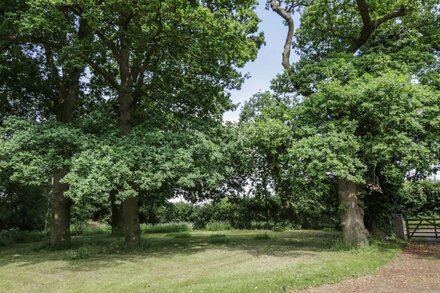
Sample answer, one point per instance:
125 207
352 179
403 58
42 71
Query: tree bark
351 214
130 206
64 109
60 213
132 230
117 221
290 30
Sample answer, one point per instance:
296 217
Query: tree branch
289 38
29 39
52 67
105 74
369 26
364 12
399 12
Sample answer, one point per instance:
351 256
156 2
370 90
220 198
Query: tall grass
90 228
166 228
218 226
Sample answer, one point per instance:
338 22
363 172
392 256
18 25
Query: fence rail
422 227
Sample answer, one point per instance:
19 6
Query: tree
139 47
264 123
357 111
45 38
165 65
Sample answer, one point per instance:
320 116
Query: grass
166 228
234 261
217 226
218 239
262 236
8 237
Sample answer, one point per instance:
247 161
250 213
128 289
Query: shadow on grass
97 251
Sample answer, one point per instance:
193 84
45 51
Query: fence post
398 224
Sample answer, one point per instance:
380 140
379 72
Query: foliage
21 207
365 100
420 198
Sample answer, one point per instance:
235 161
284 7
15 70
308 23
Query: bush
218 226
260 225
278 228
166 228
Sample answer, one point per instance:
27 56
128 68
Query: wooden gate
422 227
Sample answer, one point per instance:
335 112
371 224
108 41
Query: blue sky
268 63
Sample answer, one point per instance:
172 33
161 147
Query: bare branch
289 38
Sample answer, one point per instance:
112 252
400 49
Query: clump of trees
109 109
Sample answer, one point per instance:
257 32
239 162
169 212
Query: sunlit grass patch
230 261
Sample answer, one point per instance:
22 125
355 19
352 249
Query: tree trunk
67 81
351 214
60 213
60 205
117 220
132 230
130 206
287 211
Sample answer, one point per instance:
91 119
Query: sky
268 62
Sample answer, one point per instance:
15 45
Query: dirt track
417 269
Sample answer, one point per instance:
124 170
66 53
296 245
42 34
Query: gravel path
417 269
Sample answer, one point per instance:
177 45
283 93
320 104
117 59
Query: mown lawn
229 261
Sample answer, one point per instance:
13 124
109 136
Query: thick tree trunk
60 213
351 214
60 205
67 81
132 230
117 220
288 212
130 206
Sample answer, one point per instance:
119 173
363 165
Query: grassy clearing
234 261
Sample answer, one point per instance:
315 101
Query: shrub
218 226
166 228
260 225
278 228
